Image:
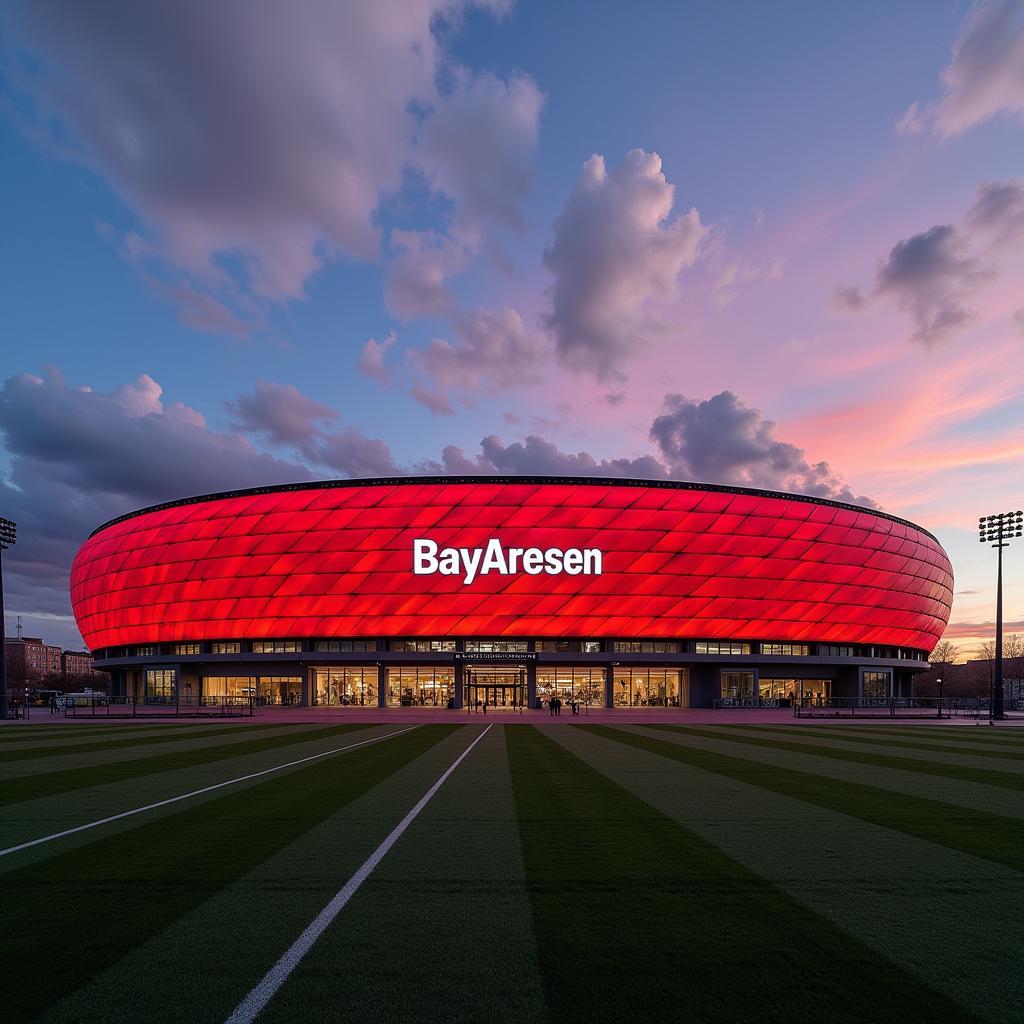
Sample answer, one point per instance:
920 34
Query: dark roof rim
600 481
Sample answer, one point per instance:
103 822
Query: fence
98 705
901 707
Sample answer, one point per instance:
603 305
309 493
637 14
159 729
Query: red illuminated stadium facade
454 592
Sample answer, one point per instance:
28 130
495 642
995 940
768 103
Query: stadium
506 592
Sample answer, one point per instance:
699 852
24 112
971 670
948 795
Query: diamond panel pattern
337 561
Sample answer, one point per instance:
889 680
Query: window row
711 647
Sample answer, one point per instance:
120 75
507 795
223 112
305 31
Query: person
551 706
53 703
558 705
575 706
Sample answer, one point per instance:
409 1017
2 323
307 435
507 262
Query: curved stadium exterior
453 591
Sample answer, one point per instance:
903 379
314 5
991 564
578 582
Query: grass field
566 873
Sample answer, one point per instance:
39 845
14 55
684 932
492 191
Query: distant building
30 660
77 665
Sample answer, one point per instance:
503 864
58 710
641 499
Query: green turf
116 892
965 773
846 736
977 832
563 873
35 787
635 914
148 739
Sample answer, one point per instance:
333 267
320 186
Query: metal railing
97 705
900 707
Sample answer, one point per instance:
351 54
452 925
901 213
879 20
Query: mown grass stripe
979 833
956 733
145 739
80 911
68 780
943 769
639 918
842 736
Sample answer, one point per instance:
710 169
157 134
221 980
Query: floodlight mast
8 532
999 528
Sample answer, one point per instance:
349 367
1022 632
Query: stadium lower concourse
506 592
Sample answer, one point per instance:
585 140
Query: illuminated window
876 685
739 687
787 692
721 647
792 650
574 682
147 651
496 646
346 685
655 687
159 686
276 646
360 646
418 686
648 646
422 645
220 687
225 647
284 690
186 649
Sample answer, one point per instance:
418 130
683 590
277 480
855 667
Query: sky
772 245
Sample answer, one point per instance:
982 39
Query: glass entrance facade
787 692
642 687
573 682
500 687
346 686
418 686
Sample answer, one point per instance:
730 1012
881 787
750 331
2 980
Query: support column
382 685
531 684
307 685
609 686
460 686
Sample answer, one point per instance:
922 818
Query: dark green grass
147 739
67 780
79 912
844 736
943 769
990 836
949 733
638 918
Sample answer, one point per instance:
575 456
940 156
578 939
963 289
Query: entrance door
496 688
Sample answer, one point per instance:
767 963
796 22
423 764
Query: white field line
253 1004
198 792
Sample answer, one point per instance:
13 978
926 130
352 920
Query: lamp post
7 536
938 682
1000 529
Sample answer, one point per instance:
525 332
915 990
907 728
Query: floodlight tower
7 536
999 528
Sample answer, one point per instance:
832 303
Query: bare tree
945 653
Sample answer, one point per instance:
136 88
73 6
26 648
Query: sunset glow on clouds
368 239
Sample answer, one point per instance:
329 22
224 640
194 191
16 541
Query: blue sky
161 173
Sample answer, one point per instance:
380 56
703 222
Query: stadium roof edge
390 481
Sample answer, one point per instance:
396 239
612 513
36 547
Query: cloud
478 144
353 453
721 440
371 361
537 456
614 249
77 457
998 211
255 145
986 75
493 350
416 278
281 413
911 123
930 276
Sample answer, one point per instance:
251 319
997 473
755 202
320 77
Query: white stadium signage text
470 563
